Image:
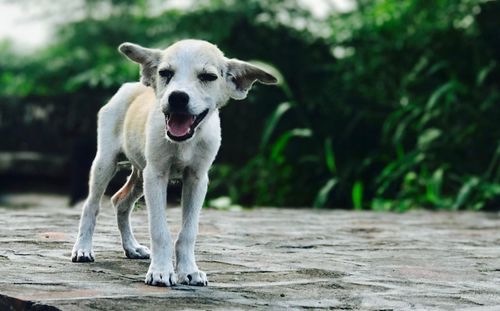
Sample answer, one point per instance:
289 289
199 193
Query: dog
168 127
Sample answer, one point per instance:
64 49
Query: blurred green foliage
391 106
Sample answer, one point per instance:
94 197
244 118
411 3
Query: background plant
391 106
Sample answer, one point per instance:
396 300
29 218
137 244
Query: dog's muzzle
181 126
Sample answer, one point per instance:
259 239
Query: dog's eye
166 73
206 77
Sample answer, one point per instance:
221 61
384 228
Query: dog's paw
82 255
196 278
161 277
137 252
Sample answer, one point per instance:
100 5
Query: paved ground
262 259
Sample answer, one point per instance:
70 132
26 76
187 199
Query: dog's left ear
240 77
147 58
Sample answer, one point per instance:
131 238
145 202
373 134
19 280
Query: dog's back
128 108
134 127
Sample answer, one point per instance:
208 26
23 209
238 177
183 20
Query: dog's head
191 79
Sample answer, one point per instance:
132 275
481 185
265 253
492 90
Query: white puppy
168 127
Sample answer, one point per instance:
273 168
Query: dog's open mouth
181 126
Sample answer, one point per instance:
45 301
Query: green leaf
465 192
324 192
427 137
397 169
330 157
282 142
381 205
357 195
484 72
272 122
438 93
433 194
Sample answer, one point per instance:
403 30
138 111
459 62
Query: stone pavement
261 259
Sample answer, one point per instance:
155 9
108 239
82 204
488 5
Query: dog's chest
179 161
177 169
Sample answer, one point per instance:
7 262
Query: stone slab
260 259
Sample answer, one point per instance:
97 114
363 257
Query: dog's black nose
178 101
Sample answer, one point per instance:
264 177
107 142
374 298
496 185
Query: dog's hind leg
104 166
124 201
103 169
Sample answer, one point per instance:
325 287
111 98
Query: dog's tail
124 191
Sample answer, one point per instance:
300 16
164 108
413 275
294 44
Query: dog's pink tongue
178 124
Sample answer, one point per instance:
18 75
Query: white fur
133 122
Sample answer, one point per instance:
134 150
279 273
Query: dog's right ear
147 58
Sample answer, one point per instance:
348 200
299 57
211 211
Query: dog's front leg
193 194
161 271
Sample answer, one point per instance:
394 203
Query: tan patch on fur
134 131
138 92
